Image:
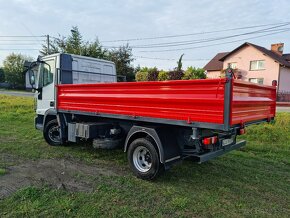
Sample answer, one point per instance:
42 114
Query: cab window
47 72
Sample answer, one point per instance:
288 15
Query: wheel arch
49 115
142 132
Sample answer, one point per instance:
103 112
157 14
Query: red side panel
252 102
193 101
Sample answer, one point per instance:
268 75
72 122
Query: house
215 66
256 64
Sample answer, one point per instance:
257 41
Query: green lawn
2 171
254 181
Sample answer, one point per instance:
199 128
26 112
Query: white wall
284 84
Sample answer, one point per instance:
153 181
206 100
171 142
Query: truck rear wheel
144 159
51 133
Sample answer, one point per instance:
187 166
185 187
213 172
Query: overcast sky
126 19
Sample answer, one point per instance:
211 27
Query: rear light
214 139
210 140
206 141
242 131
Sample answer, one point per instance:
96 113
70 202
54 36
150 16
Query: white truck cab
61 68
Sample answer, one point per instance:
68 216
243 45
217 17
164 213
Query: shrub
152 74
188 75
194 73
141 76
175 75
162 76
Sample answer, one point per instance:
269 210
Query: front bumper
38 122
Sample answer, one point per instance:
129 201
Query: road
30 94
283 109
17 93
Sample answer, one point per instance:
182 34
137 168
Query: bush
152 74
188 75
162 76
175 75
147 74
141 76
194 73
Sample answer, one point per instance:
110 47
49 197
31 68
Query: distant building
254 64
215 66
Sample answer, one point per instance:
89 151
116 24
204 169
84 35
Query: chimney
277 48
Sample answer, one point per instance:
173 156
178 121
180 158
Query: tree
179 63
57 45
122 57
14 70
74 44
2 76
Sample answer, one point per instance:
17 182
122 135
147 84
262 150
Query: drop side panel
252 102
190 101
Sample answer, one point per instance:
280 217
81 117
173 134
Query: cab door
46 80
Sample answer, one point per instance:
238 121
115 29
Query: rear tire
144 159
51 133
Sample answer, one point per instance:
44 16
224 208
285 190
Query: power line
181 43
221 43
171 59
191 34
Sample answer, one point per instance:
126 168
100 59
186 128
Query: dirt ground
67 174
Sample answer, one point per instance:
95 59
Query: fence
283 96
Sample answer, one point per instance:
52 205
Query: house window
257 80
232 65
257 65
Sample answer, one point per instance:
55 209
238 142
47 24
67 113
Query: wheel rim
54 134
142 159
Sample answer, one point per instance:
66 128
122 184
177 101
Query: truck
157 123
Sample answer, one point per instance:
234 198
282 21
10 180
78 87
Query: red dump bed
189 102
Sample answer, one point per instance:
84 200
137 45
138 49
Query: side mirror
31 77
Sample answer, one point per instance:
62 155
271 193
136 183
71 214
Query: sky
110 21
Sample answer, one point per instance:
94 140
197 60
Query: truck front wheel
51 133
144 159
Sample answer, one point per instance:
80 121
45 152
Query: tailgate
252 103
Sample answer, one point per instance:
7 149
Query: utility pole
47 40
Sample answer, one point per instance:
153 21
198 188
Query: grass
2 171
252 182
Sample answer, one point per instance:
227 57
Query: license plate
227 142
